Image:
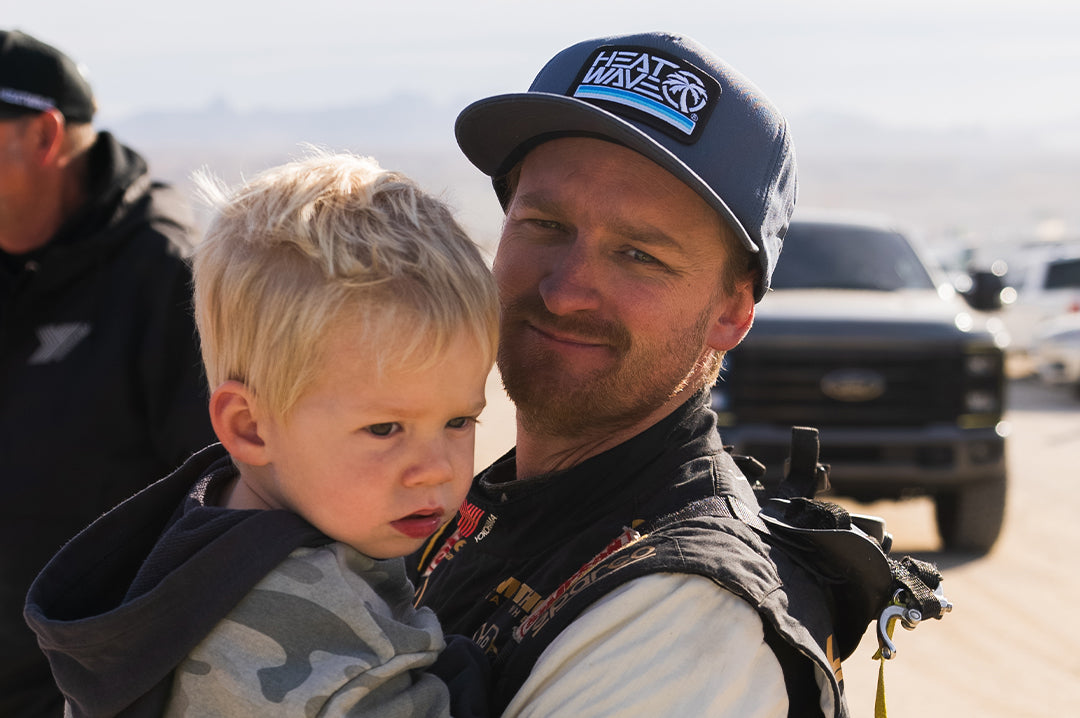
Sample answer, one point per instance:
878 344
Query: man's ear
735 318
47 137
235 417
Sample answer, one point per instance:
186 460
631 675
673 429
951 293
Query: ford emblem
853 384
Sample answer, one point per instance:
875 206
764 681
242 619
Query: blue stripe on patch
632 99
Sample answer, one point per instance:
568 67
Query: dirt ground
1009 648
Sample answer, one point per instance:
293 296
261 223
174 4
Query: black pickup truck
867 341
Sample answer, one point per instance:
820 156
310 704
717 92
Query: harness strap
804 694
726 506
879 698
920 579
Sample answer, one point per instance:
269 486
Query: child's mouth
420 524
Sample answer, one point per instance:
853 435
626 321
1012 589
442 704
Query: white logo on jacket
56 341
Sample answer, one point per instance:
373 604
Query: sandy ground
1009 648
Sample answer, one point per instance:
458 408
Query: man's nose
572 283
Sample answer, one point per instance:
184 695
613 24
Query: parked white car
1047 282
1056 350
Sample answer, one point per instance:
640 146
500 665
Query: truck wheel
970 518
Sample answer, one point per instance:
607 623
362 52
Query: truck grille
783 386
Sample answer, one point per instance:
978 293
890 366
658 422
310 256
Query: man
607 565
100 386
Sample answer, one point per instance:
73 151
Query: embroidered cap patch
666 92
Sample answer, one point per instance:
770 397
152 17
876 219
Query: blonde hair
327 238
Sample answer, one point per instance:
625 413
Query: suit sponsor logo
489 523
468 518
581 579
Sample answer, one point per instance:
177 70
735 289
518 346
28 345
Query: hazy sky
999 64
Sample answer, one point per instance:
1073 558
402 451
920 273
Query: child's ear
234 415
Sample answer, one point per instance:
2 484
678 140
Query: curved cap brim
495 134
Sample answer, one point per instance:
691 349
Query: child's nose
430 465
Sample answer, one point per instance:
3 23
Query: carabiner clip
909 618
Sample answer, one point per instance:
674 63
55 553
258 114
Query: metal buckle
909 618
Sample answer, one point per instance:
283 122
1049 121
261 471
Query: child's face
378 463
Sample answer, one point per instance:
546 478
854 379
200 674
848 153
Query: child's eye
383 429
460 422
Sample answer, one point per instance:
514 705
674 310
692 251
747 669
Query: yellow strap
879 699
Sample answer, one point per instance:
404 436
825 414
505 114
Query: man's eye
537 222
641 257
544 225
460 422
382 429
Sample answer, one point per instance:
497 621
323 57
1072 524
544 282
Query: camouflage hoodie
155 610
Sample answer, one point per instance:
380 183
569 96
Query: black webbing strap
920 579
725 506
804 695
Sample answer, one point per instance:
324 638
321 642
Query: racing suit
548 574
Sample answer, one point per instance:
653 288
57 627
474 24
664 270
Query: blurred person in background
101 385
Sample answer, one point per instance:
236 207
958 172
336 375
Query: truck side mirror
985 292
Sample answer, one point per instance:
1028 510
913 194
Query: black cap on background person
35 77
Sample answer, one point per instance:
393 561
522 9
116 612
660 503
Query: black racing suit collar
622 477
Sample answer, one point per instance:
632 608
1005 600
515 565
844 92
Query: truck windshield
1062 274
831 256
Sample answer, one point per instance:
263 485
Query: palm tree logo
685 91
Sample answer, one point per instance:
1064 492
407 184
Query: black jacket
101 386
559 536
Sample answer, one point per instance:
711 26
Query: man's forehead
650 220
563 165
574 158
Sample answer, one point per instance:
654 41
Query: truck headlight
984 386
981 364
981 401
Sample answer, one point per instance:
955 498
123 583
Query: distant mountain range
400 121
961 187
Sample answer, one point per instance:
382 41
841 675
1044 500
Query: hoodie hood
122 200
126 600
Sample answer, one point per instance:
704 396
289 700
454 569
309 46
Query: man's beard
554 400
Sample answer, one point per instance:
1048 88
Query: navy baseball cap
35 77
668 98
